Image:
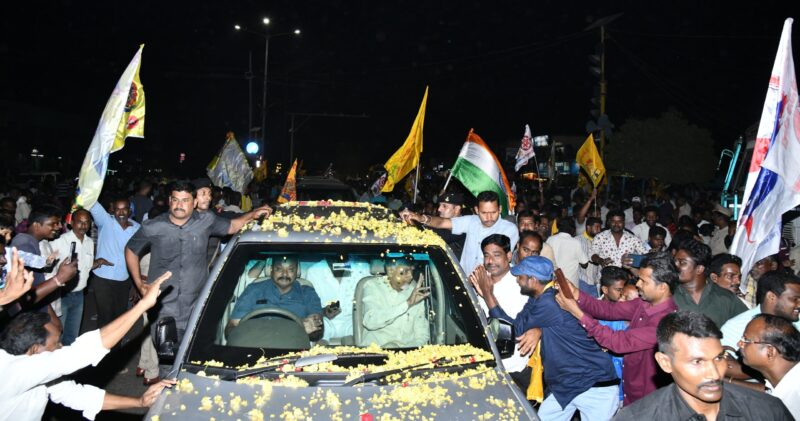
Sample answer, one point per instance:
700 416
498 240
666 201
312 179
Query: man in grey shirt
178 242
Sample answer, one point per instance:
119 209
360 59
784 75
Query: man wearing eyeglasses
771 345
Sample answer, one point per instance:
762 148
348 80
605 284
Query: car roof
336 222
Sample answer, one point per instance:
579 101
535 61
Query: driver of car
282 290
394 315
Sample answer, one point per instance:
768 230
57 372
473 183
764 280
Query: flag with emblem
122 117
289 191
773 180
230 167
525 151
589 159
407 157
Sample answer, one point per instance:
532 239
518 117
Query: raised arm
427 220
238 223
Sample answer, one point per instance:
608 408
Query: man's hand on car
151 394
528 341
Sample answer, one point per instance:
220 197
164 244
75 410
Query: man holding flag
773 182
484 223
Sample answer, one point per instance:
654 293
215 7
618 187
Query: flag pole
449 175
416 184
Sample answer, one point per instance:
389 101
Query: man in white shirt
72 297
32 362
496 286
335 283
720 217
569 253
609 246
394 311
642 230
779 295
485 222
771 345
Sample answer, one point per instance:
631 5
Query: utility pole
602 122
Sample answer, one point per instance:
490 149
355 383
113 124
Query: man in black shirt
450 207
178 242
689 349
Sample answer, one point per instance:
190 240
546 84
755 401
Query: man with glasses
690 351
658 278
695 293
771 345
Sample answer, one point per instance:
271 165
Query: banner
479 170
407 157
122 117
289 191
589 159
525 151
773 181
377 186
230 167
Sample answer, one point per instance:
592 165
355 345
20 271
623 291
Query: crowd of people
656 319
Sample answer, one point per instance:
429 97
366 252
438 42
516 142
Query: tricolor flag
525 151
773 182
123 117
479 170
289 191
407 157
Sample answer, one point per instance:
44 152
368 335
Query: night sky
491 66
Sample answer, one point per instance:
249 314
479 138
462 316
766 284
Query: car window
325 193
273 298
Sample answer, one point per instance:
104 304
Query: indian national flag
479 170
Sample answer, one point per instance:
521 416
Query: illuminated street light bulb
297 32
265 20
237 27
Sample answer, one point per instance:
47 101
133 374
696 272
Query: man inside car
281 290
394 312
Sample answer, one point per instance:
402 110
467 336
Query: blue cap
536 266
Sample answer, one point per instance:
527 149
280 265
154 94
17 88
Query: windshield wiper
368 377
300 362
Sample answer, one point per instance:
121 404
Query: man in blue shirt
110 281
282 290
578 374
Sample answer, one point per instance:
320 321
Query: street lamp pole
264 94
266 35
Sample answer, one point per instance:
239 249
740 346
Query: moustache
713 383
285 279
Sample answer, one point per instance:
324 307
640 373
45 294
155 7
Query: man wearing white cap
720 217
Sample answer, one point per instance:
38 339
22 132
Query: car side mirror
166 339
503 332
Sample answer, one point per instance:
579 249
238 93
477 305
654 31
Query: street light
267 36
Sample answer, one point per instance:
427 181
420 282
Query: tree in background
668 148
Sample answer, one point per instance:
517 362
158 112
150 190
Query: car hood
481 395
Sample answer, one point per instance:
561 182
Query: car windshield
271 299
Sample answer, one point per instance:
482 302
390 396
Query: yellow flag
407 157
132 122
589 159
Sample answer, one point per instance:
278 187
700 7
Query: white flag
773 183
525 151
